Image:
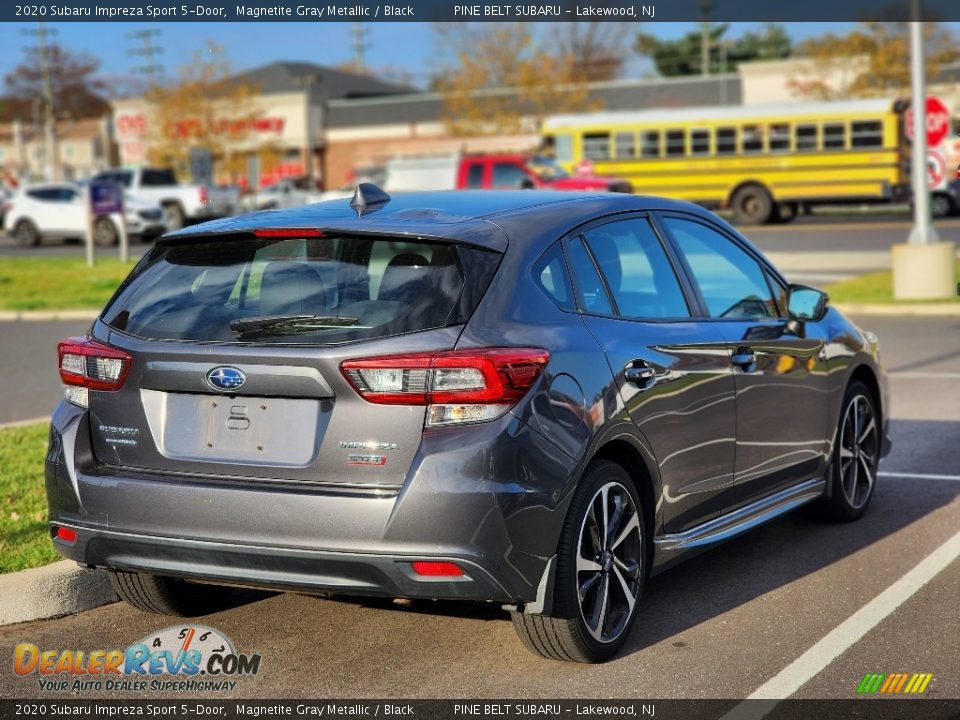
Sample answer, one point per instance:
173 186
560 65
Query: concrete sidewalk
61 588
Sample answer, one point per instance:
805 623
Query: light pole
923 267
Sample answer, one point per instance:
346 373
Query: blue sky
405 46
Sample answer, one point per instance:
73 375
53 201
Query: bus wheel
752 205
785 212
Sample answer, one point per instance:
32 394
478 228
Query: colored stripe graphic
894 683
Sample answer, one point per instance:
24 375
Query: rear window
318 290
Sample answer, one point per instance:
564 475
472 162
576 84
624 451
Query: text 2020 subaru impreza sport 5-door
537 399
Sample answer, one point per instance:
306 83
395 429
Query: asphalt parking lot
800 606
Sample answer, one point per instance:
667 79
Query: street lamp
923 267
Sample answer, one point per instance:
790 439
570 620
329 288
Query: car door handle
744 358
640 374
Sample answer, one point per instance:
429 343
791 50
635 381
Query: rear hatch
235 345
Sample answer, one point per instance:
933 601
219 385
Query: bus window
675 142
596 146
650 143
699 142
806 137
726 141
752 138
624 145
866 133
779 137
563 147
834 136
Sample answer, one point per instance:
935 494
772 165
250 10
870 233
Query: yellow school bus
762 161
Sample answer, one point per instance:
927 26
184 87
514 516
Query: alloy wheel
609 562
859 451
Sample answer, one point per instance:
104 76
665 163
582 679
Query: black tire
168 596
620 568
26 234
752 205
785 212
852 473
105 233
941 205
176 217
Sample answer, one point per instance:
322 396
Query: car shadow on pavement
791 547
751 565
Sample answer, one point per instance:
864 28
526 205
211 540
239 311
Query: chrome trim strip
669 547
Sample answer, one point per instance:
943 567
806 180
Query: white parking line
833 644
921 476
926 375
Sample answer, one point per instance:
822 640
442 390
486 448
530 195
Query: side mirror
806 303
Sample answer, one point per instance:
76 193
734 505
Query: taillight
204 195
90 365
457 386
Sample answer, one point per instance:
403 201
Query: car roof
468 216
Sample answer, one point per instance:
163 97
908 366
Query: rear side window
157 177
637 270
593 296
475 176
550 274
317 291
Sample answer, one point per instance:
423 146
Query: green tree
678 57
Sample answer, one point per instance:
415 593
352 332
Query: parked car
58 211
182 203
537 399
281 195
491 172
946 202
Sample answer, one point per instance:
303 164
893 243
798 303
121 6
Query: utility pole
705 38
307 82
50 151
360 46
923 267
148 50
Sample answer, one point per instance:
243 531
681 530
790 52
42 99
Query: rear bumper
498 519
276 567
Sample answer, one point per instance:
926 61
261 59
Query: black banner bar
855 709
648 11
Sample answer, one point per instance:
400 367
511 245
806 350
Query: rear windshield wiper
274 322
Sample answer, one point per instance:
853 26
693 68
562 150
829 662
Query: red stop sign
938 121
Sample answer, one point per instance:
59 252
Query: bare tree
598 48
76 91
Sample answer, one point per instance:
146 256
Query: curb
42 315
903 310
61 588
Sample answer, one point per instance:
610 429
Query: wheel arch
865 374
625 454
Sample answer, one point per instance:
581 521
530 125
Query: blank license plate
245 430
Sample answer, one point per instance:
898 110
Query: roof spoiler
367 198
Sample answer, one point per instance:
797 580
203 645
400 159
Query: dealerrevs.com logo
191 658
894 683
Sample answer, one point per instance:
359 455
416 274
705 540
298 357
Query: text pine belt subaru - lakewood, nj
532 398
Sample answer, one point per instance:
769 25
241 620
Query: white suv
57 210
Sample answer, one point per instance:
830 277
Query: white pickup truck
182 203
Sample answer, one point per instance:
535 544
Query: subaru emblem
226 378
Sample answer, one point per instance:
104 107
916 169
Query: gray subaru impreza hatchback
537 399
